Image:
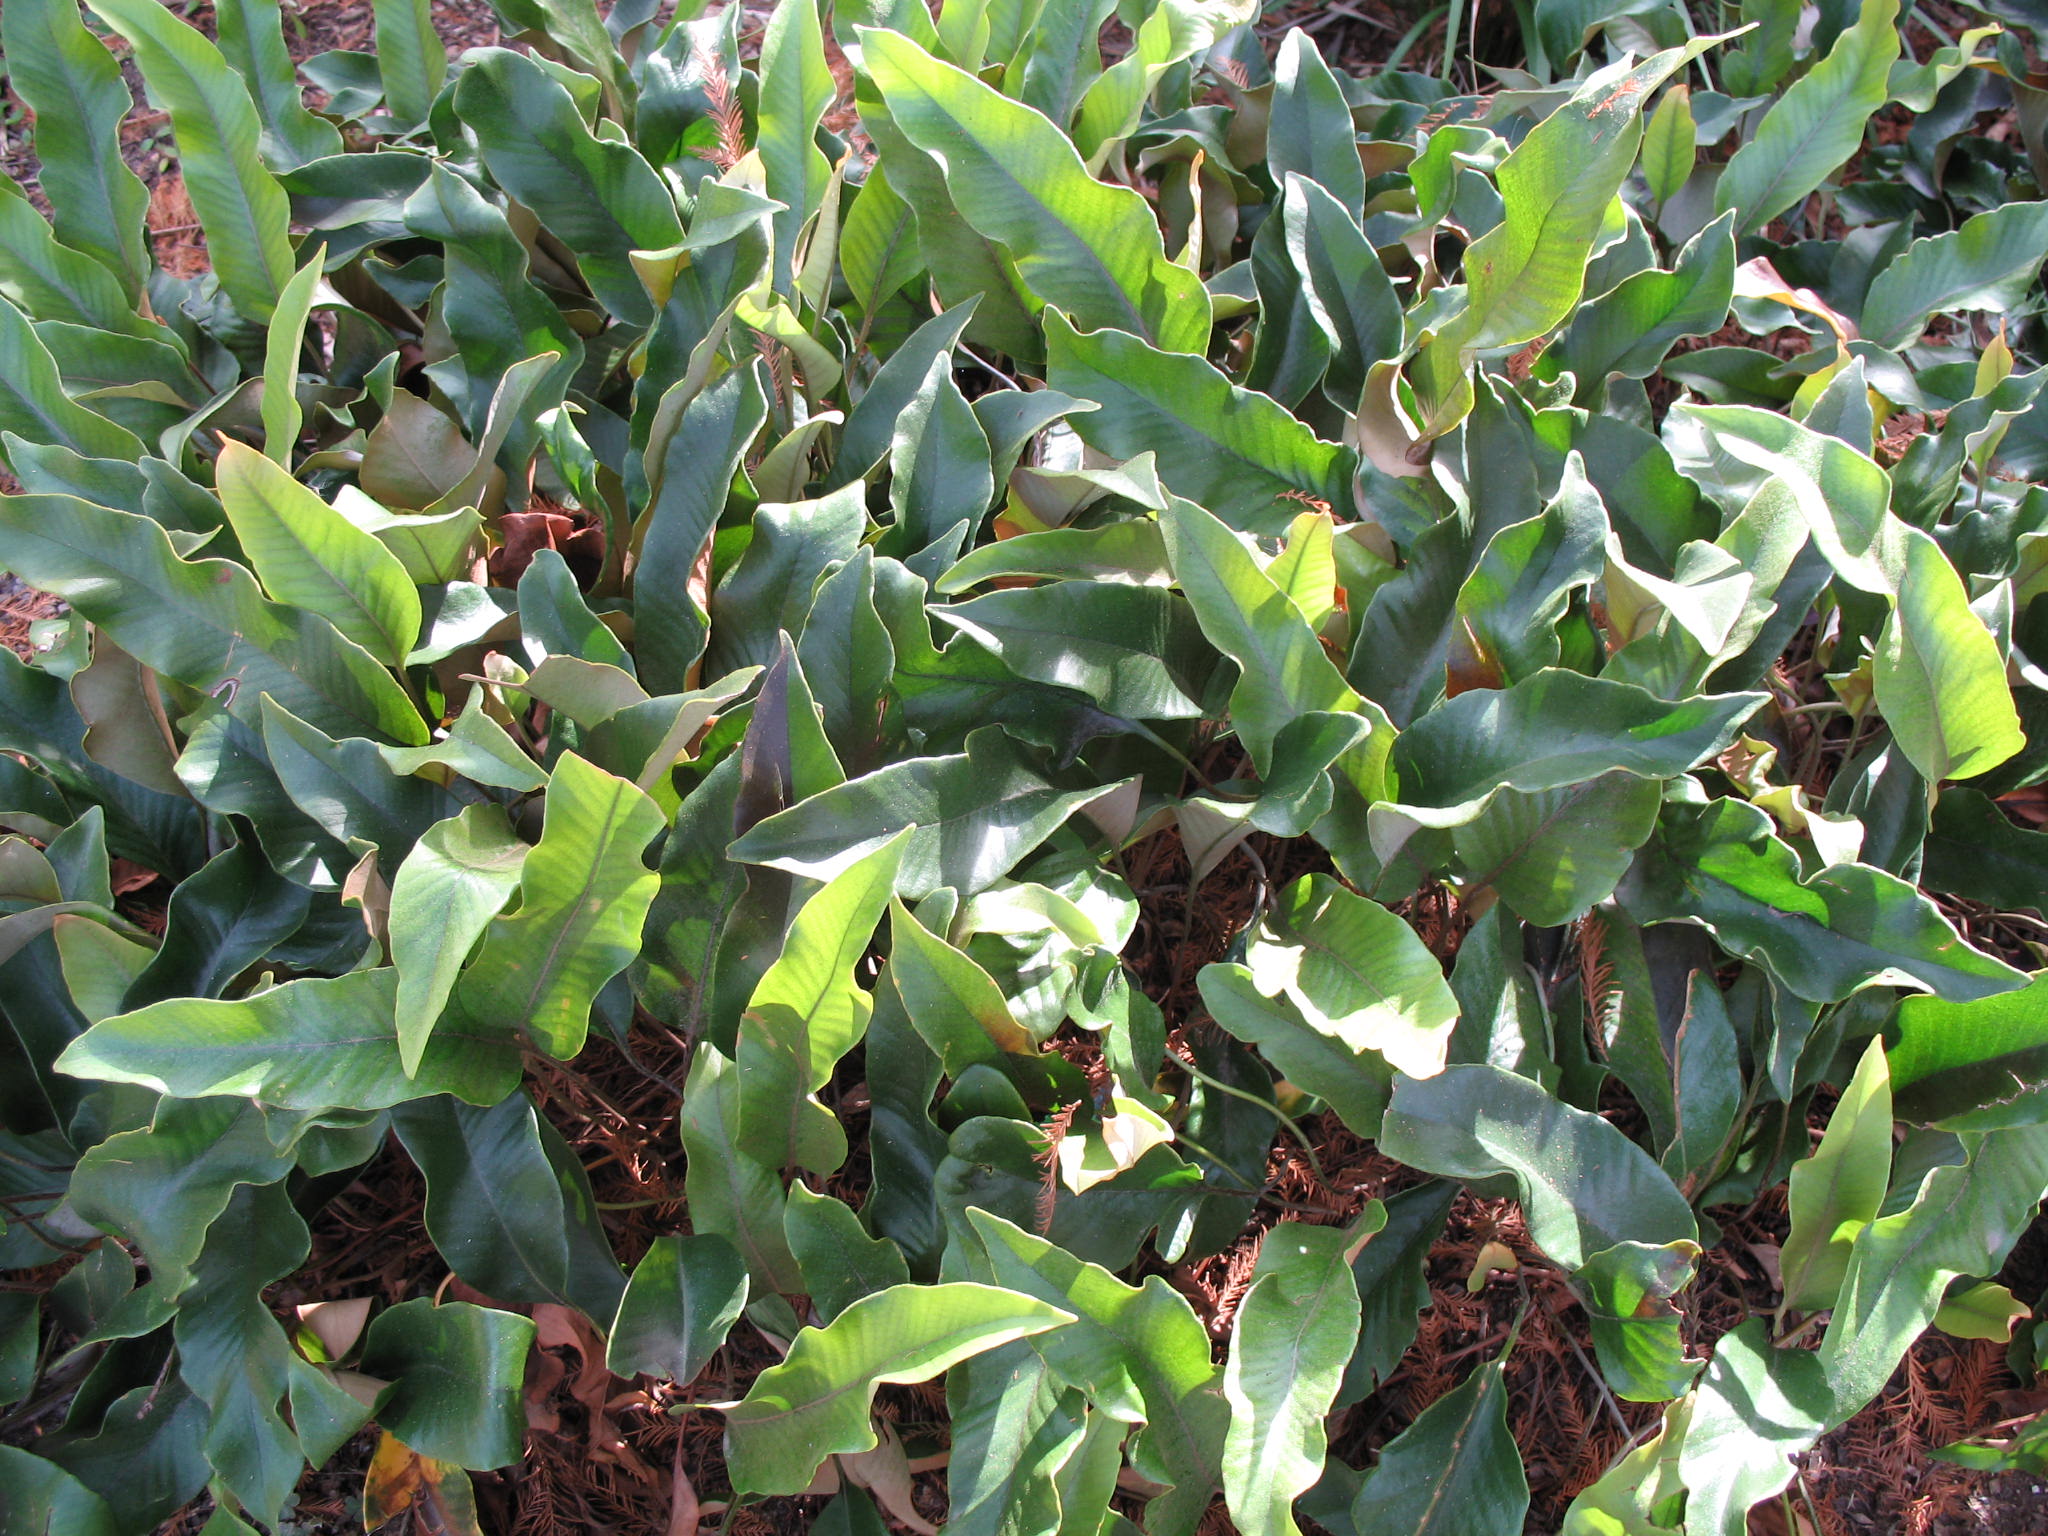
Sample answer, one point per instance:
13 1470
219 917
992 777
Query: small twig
989 366
1786 1341
1806 1496
1606 1393
1307 1147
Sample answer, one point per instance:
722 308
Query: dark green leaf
973 817
202 622
508 1205
1393 1284
596 195
241 208
1237 453
1721 866
74 86
685 1295
1093 250
1455 1468
455 1373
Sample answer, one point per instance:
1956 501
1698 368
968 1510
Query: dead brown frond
781 367
1596 976
726 112
1049 1166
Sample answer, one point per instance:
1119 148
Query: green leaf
232 1353
1172 32
1522 584
583 895
73 84
1755 1409
1987 264
1985 1311
309 556
145 1459
971 817
1392 1275
1973 849
1139 1354
252 40
1841 493
38 1495
696 470
1627 331
455 1373
458 877
477 747
284 340
951 1001
1585 1187
1014 1427
1137 651
1353 1083
1308 131
311 1044
1553 854
597 196
1285 670
503 319
34 406
1976 1065
1816 125
508 1205
1637 1334
878 250
1293 1333
1238 453
1094 251
241 208
870 428
410 57
1343 286
48 280
1454 1469
1551 730
848 659
768 592
1721 866
940 476
1838 1190
1939 675
729 1193
202 623
841 1263
1564 27
1524 275
1623 1017
1131 551
1707 1086
1964 1221
344 788
796 88
163 1185
685 1295
1357 972
1670 145
815 1403
806 1013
